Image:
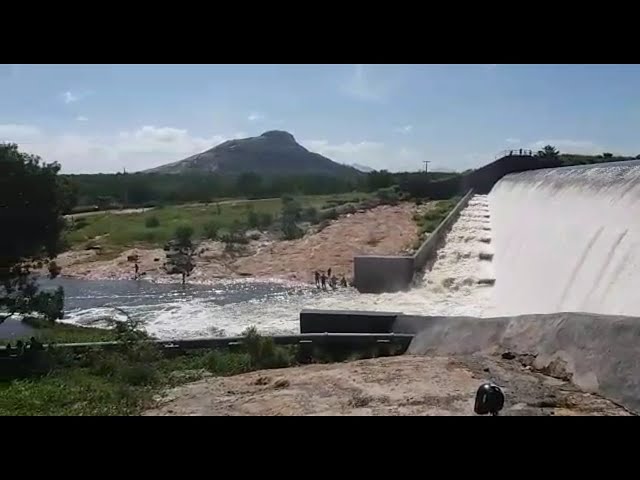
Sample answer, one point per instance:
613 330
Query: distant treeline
138 189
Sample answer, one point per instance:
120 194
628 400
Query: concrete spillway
567 239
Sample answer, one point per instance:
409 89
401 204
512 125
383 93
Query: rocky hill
272 153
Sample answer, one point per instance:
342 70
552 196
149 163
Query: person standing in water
329 273
323 281
317 277
136 269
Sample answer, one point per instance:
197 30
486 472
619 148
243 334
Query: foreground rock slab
404 385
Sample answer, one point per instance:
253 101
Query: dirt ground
382 230
403 385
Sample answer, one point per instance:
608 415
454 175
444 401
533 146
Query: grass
115 232
432 218
47 332
126 381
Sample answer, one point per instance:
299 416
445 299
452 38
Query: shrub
183 234
290 229
253 220
152 222
323 224
234 238
349 209
227 363
265 220
263 352
310 214
387 195
210 230
330 214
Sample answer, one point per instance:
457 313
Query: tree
180 257
548 152
32 201
378 180
607 155
291 212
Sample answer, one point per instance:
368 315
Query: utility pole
426 165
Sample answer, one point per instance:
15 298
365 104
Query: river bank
381 230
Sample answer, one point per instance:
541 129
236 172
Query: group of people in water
323 279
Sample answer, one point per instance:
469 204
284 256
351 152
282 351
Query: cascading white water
568 239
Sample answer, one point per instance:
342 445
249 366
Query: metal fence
518 152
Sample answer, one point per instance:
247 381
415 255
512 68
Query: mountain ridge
275 152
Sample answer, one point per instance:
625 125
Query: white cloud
585 147
513 140
69 97
16 133
376 155
255 117
82 118
405 129
137 149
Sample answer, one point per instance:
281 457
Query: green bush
152 222
210 230
323 224
265 220
264 353
253 220
227 363
310 214
290 230
183 235
388 195
330 214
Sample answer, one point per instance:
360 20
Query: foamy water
568 240
227 308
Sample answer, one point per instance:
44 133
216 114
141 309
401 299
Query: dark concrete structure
483 179
346 321
379 273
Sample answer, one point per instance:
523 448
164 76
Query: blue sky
103 118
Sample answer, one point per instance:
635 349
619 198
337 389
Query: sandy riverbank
382 230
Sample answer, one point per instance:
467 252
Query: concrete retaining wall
599 351
387 274
379 274
430 246
346 321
